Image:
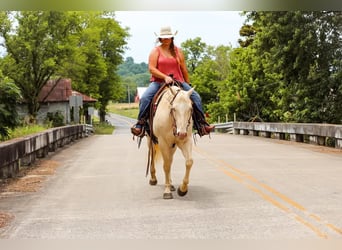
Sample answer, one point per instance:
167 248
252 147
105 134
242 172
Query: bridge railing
320 134
24 151
224 127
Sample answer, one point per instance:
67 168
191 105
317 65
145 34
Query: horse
172 127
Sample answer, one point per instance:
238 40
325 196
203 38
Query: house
55 97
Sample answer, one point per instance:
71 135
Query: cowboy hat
165 32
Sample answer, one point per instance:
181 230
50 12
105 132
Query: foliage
99 52
194 51
56 119
103 128
132 75
288 68
9 98
301 52
209 73
38 44
129 67
24 130
84 46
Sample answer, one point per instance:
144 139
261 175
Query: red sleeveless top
168 65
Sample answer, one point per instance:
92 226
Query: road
241 187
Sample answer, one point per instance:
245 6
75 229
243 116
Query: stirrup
138 132
202 131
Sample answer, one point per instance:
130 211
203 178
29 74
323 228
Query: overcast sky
213 27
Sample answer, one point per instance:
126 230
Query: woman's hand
168 79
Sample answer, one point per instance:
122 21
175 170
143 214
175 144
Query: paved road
241 187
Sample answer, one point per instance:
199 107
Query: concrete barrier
24 151
320 134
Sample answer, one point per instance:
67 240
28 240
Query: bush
56 119
9 98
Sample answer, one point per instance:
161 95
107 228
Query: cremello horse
172 125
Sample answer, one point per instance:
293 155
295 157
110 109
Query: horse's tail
157 154
154 155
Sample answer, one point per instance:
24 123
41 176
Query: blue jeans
152 90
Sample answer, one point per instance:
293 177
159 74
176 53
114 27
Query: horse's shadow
200 196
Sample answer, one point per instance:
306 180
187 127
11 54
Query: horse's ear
190 91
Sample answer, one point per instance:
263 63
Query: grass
103 128
125 109
25 130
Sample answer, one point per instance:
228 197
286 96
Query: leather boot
138 129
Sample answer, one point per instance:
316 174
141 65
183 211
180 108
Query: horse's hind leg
152 158
183 189
153 179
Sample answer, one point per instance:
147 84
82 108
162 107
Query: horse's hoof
172 188
181 193
167 196
153 182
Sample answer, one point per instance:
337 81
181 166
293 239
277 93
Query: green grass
103 129
125 109
24 131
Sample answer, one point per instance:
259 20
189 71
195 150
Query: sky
213 27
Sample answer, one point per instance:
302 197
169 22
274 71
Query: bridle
172 113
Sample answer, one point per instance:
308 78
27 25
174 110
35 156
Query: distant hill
133 75
128 67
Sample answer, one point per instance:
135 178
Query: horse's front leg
168 190
186 150
168 158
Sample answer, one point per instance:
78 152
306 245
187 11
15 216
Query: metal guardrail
226 127
89 129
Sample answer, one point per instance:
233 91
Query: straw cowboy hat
165 32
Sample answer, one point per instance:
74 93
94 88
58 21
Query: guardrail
320 134
224 127
24 151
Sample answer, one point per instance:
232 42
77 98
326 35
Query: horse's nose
181 135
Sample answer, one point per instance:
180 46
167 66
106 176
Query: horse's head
181 111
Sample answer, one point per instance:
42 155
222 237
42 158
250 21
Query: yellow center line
313 228
241 179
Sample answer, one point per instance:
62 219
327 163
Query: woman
167 60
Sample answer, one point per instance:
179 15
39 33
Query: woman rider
166 64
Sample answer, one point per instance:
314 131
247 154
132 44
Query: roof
60 91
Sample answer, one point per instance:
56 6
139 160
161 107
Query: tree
9 98
304 49
37 47
84 46
194 50
289 68
133 75
101 45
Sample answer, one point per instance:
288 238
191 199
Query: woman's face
166 41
